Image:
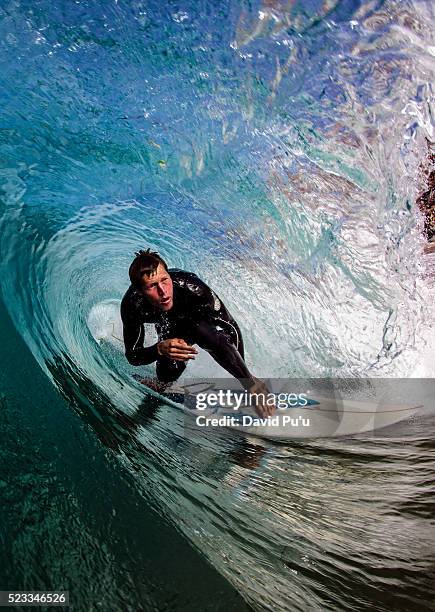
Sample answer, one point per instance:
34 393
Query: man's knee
169 370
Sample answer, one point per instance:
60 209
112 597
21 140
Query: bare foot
263 408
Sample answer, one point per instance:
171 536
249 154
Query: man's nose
160 289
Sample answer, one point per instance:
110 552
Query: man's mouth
165 301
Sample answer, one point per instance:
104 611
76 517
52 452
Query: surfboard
320 417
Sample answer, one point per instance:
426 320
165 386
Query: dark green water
71 519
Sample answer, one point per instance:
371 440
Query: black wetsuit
197 316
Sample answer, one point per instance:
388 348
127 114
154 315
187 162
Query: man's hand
263 409
176 348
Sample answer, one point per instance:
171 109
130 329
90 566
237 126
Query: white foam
104 322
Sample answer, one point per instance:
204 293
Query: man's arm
135 351
137 354
134 334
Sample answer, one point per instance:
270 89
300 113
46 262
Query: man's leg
223 340
169 370
222 345
236 337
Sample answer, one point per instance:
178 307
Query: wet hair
145 262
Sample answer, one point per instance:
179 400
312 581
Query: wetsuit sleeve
136 353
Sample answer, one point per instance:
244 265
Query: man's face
158 289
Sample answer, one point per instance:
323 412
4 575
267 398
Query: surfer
185 311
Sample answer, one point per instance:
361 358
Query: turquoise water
276 150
